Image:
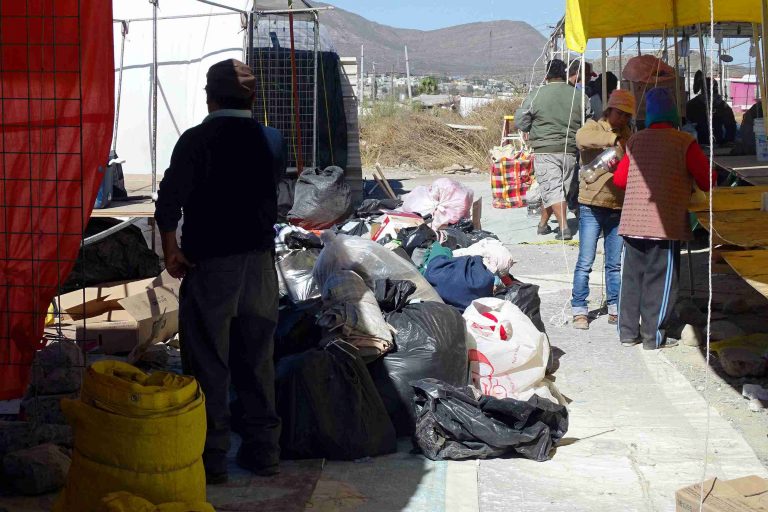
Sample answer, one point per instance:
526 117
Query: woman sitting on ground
600 206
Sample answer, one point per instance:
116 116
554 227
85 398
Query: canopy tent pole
605 78
316 43
583 85
621 60
154 99
764 33
703 64
294 80
638 46
676 43
758 62
124 33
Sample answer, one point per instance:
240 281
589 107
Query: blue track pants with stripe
649 287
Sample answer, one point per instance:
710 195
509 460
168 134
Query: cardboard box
748 494
120 316
392 222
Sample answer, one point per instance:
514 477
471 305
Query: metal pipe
295 84
621 59
221 5
758 62
154 96
583 85
703 65
124 32
104 234
294 11
361 79
314 99
604 64
764 33
178 17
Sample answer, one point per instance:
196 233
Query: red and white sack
510 355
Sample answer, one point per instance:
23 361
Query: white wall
186 49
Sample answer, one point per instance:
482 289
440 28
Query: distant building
743 92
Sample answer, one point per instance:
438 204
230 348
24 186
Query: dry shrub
394 135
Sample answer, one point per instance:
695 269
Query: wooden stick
385 181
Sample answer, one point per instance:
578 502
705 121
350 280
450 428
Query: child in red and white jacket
658 171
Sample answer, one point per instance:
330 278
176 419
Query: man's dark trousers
227 317
649 274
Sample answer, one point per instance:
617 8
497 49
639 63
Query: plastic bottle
607 161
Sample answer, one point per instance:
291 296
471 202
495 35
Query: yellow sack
127 502
143 434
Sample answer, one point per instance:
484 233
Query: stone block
37 470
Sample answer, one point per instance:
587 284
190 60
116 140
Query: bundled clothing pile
395 301
350 308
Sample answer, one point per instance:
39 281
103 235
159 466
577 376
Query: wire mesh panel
270 59
56 107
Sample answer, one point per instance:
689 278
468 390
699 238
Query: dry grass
393 135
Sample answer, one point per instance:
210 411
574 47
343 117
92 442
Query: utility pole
408 73
361 77
392 82
374 84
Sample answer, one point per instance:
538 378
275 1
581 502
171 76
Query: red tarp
56 113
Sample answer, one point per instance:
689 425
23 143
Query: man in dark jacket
223 175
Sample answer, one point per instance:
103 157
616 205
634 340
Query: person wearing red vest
657 172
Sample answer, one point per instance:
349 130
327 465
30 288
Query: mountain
499 48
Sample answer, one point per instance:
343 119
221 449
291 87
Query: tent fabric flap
591 19
57 89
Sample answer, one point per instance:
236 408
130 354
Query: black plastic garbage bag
418 237
121 256
299 240
330 408
430 342
393 295
286 188
297 330
452 424
375 207
526 297
464 234
322 198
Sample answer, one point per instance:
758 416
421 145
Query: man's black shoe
216 478
257 468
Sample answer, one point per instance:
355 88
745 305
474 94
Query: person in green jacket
551 115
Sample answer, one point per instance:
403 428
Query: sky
434 14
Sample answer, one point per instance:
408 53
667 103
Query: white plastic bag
448 202
370 261
496 257
510 355
294 276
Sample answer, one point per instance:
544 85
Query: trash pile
403 319
397 318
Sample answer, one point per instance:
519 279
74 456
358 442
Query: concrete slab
638 426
